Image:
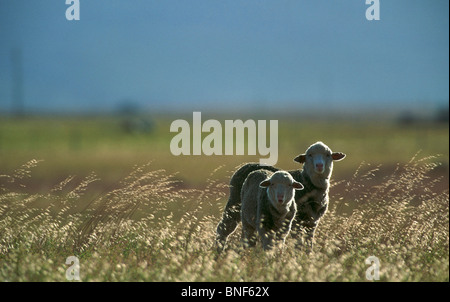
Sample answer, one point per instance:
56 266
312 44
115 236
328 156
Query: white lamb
268 207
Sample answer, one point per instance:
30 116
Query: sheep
312 201
268 207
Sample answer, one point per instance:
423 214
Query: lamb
312 201
268 207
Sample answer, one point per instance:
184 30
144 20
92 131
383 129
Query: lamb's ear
265 183
337 155
301 158
298 186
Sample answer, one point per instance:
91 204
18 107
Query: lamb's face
281 188
318 159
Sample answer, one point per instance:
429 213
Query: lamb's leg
284 231
248 235
230 219
267 238
303 233
309 238
297 234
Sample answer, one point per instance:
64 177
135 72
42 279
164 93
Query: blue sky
226 54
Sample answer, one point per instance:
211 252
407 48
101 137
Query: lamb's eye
328 155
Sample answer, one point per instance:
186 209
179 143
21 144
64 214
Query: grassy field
130 210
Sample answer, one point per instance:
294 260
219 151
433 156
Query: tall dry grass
149 227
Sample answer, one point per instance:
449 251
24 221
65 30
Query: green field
82 145
130 210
